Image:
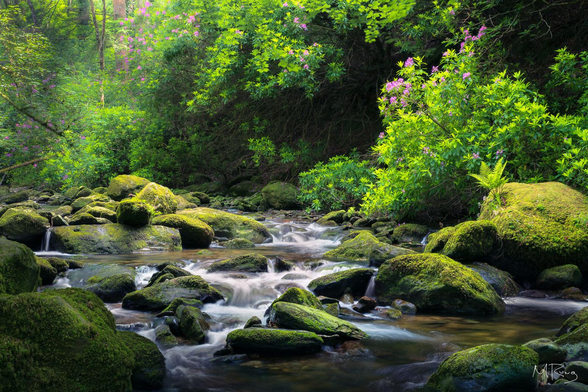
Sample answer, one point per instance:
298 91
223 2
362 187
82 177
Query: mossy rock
95 272
72 192
230 225
203 197
159 197
25 205
23 225
61 340
183 203
114 239
574 321
253 322
81 202
99 212
354 281
409 233
171 270
192 323
273 342
541 226
548 351
244 188
83 192
333 218
558 278
472 241
366 247
102 190
16 197
19 271
176 303
112 288
164 336
60 265
87 219
64 210
435 283
123 186
298 296
110 205
148 372
134 212
491 367
238 243
281 195
246 263
300 317
47 272
501 281
161 295
194 232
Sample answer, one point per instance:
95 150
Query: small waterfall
46 241
426 238
370 291
271 266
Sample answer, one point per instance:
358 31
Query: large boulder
66 340
560 277
435 283
491 367
293 316
124 186
281 195
23 225
159 197
246 263
159 296
295 295
501 281
25 205
99 212
47 272
575 321
366 247
541 227
194 232
230 225
134 212
167 273
112 288
469 241
114 239
192 323
333 218
355 281
15 197
148 372
273 342
19 271
548 351
81 202
437 240
409 233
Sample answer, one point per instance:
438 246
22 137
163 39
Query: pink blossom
139 67
409 62
305 66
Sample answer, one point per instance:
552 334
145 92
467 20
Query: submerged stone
247 263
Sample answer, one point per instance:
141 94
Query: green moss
123 186
159 197
114 239
365 247
491 367
409 232
99 212
161 295
133 212
574 321
298 296
19 271
294 316
194 232
548 351
148 372
273 342
247 263
281 195
171 270
46 271
435 283
25 205
176 303
539 227
87 219
472 241
183 203
560 277
238 243
81 202
60 265
164 336
67 341
112 288
203 197
83 192
100 190
244 188
23 225
336 284
192 323
16 197
333 218
501 281
230 225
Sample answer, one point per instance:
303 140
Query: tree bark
33 13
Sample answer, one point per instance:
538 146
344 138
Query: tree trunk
33 13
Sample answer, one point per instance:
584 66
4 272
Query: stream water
398 355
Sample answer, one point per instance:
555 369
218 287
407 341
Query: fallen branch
7 169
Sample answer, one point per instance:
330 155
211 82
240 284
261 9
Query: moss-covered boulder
148 372
244 188
354 281
435 283
409 233
333 218
64 340
541 226
281 195
548 351
238 243
23 225
176 303
83 191
134 212
491 367
471 241
194 232
47 272
170 270
293 316
100 212
159 197
124 186
15 197
61 265
81 202
501 281
560 277
183 203
298 296
112 288
574 321
161 295
273 342
164 336
366 247
87 219
203 197
230 225
114 239
25 205
192 323
19 271
246 263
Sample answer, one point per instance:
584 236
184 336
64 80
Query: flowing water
398 355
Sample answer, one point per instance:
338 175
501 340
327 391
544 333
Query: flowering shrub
440 126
